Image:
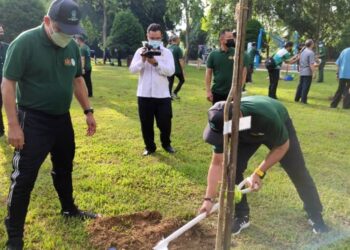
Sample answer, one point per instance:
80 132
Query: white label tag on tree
244 124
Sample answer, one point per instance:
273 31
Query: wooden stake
223 238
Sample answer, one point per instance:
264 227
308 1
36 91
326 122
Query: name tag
245 123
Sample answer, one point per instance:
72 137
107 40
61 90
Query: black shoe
239 223
80 214
318 225
169 149
14 244
2 133
148 152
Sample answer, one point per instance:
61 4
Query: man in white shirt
154 100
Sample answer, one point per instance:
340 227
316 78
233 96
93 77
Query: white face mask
59 38
155 43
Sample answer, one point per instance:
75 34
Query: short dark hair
309 42
289 44
154 27
223 32
254 44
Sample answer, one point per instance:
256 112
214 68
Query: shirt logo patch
69 62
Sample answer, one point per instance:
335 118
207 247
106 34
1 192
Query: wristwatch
155 64
89 110
260 173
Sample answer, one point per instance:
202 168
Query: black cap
213 133
67 15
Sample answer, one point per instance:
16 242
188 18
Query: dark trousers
171 79
303 88
320 70
342 91
2 129
250 72
160 109
274 76
294 165
43 134
87 78
218 97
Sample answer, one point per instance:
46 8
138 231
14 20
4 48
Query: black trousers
160 109
43 134
171 79
342 91
250 72
87 78
2 129
218 97
294 165
274 75
303 88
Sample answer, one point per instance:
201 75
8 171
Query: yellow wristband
260 173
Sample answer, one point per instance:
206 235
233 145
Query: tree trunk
187 37
104 25
318 27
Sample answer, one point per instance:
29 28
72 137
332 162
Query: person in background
154 101
283 55
107 56
3 49
200 56
252 52
179 67
218 76
343 76
86 62
323 57
307 67
37 95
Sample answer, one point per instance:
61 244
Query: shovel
163 244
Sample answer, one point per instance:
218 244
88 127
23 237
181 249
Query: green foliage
252 31
126 34
93 34
18 16
197 37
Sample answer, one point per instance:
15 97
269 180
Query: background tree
189 11
126 33
18 16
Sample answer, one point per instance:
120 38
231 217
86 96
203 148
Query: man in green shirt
3 49
86 62
41 71
218 76
179 67
323 56
270 126
252 52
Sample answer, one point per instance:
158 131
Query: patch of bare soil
142 231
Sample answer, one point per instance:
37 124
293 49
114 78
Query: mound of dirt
142 231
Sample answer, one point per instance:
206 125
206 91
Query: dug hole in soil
142 231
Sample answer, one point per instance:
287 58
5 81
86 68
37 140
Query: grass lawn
112 178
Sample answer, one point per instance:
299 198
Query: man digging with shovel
272 127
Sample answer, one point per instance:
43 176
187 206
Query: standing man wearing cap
179 66
3 49
86 62
283 55
41 71
153 95
272 127
218 75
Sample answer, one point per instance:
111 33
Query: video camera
149 52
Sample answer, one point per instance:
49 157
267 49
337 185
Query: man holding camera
154 63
